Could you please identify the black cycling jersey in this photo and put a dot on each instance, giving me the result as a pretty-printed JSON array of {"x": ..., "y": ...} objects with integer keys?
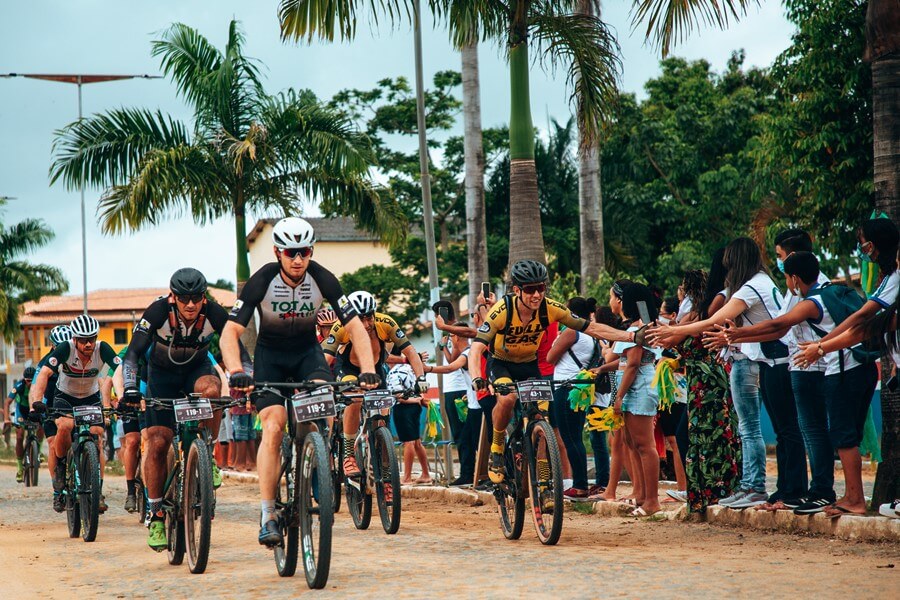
[
  {"x": 287, "y": 315},
  {"x": 164, "y": 341}
]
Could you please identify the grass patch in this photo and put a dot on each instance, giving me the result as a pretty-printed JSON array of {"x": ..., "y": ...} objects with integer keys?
[
  {"x": 585, "y": 508},
  {"x": 114, "y": 467}
]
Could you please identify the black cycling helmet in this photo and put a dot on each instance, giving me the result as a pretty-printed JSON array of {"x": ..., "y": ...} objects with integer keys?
[
  {"x": 28, "y": 375},
  {"x": 187, "y": 281},
  {"x": 528, "y": 271}
]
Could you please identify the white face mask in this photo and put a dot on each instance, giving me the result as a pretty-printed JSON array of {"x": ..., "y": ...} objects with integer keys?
[{"x": 664, "y": 320}]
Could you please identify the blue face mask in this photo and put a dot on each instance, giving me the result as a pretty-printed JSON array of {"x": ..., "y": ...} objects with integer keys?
[
  {"x": 862, "y": 255},
  {"x": 780, "y": 264}
]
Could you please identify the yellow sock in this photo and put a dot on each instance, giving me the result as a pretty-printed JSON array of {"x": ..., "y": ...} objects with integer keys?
[
  {"x": 498, "y": 441},
  {"x": 543, "y": 469}
]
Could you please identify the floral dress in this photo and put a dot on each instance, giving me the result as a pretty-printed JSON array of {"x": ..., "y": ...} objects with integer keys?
[{"x": 713, "y": 458}]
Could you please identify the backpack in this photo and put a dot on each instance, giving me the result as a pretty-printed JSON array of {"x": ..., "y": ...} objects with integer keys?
[
  {"x": 841, "y": 302},
  {"x": 602, "y": 384}
]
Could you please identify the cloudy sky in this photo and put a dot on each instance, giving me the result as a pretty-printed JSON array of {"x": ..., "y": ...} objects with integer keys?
[{"x": 111, "y": 36}]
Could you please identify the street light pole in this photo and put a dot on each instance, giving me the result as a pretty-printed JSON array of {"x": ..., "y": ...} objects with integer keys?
[{"x": 80, "y": 79}]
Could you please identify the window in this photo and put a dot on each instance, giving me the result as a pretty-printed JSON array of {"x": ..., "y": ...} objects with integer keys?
[{"x": 120, "y": 336}]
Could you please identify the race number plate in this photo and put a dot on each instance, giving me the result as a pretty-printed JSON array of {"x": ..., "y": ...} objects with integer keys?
[
  {"x": 90, "y": 414},
  {"x": 192, "y": 409},
  {"x": 314, "y": 404},
  {"x": 378, "y": 400},
  {"x": 535, "y": 390}
]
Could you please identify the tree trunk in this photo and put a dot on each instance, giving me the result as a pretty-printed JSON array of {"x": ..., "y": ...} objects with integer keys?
[
  {"x": 243, "y": 270},
  {"x": 526, "y": 241},
  {"x": 886, "y": 126},
  {"x": 476, "y": 229},
  {"x": 590, "y": 198}
]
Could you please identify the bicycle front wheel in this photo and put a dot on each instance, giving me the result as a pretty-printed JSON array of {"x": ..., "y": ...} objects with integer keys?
[
  {"x": 387, "y": 480},
  {"x": 337, "y": 467},
  {"x": 89, "y": 491},
  {"x": 198, "y": 505},
  {"x": 359, "y": 501},
  {"x": 316, "y": 509},
  {"x": 73, "y": 512},
  {"x": 545, "y": 482},
  {"x": 31, "y": 462}
]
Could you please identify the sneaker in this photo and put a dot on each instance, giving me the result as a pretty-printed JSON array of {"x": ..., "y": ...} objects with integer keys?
[
  {"x": 156, "y": 539},
  {"x": 794, "y": 502},
  {"x": 131, "y": 503},
  {"x": 484, "y": 485},
  {"x": 103, "y": 506},
  {"x": 547, "y": 504},
  {"x": 270, "y": 534},
  {"x": 811, "y": 506},
  {"x": 890, "y": 509},
  {"x": 678, "y": 495},
  {"x": 20, "y": 472},
  {"x": 496, "y": 471},
  {"x": 575, "y": 494},
  {"x": 750, "y": 500},
  {"x": 461, "y": 482},
  {"x": 738, "y": 495},
  {"x": 351, "y": 469},
  {"x": 59, "y": 504},
  {"x": 216, "y": 475}
]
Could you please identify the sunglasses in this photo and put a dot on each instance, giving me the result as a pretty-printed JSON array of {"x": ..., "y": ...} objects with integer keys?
[
  {"x": 293, "y": 253},
  {"x": 188, "y": 298},
  {"x": 86, "y": 340},
  {"x": 531, "y": 289}
]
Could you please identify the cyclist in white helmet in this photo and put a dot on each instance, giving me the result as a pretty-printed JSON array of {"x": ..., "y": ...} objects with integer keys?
[
  {"x": 286, "y": 294},
  {"x": 78, "y": 364}
]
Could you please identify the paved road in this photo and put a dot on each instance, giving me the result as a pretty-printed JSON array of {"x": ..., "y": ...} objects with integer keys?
[{"x": 440, "y": 549}]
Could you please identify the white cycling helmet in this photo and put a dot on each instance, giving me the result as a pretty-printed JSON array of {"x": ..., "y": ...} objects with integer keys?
[
  {"x": 85, "y": 326},
  {"x": 293, "y": 232},
  {"x": 363, "y": 302},
  {"x": 60, "y": 334},
  {"x": 401, "y": 378}
]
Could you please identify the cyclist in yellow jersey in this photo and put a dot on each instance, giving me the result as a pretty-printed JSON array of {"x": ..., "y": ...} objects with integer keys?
[
  {"x": 382, "y": 330},
  {"x": 511, "y": 334}
]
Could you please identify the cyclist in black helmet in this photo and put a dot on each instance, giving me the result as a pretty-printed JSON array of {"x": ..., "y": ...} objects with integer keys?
[
  {"x": 17, "y": 409},
  {"x": 173, "y": 336},
  {"x": 511, "y": 334}
]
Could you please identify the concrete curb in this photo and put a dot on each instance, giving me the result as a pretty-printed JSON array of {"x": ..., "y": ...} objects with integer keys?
[{"x": 848, "y": 527}]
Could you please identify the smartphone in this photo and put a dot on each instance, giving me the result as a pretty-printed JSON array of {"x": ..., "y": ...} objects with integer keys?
[
  {"x": 445, "y": 313},
  {"x": 643, "y": 312},
  {"x": 485, "y": 289}
]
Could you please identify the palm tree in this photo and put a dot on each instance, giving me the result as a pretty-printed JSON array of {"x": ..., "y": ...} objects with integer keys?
[
  {"x": 476, "y": 227},
  {"x": 248, "y": 151},
  {"x": 21, "y": 281},
  {"x": 582, "y": 43}
]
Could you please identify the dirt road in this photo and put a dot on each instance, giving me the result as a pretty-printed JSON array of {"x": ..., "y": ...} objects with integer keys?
[{"x": 440, "y": 550}]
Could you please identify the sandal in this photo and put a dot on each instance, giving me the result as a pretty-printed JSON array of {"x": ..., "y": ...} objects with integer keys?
[
  {"x": 834, "y": 511},
  {"x": 424, "y": 481},
  {"x": 628, "y": 501}
]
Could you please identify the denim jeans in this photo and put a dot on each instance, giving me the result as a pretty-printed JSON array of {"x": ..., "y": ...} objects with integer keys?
[
  {"x": 744, "y": 380},
  {"x": 601, "y": 457},
  {"x": 571, "y": 425},
  {"x": 778, "y": 398},
  {"x": 809, "y": 392}
]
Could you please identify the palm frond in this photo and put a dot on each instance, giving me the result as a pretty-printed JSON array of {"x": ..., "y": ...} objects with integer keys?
[
  {"x": 472, "y": 20},
  {"x": 590, "y": 52},
  {"x": 327, "y": 18},
  {"x": 671, "y": 21},
  {"x": 22, "y": 238},
  {"x": 106, "y": 149},
  {"x": 189, "y": 59}
]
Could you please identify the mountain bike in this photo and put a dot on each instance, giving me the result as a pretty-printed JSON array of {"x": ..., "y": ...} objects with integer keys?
[
  {"x": 31, "y": 459},
  {"x": 188, "y": 496},
  {"x": 335, "y": 437},
  {"x": 304, "y": 496},
  {"x": 379, "y": 471},
  {"x": 81, "y": 492},
  {"x": 532, "y": 463}
]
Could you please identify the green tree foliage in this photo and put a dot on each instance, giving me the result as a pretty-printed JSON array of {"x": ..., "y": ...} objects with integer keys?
[
  {"x": 398, "y": 294},
  {"x": 222, "y": 284},
  {"x": 814, "y": 155},
  {"x": 20, "y": 280}
]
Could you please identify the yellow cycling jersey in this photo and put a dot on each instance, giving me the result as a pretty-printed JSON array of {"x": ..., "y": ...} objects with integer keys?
[
  {"x": 386, "y": 329},
  {"x": 515, "y": 341}
]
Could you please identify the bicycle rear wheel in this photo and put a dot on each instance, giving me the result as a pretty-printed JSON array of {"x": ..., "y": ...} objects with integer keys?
[
  {"x": 316, "y": 510},
  {"x": 387, "y": 480},
  {"x": 511, "y": 493},
  {"x": 286, "y": 503},
  {"x": 89, "y": 490},
  {"x": 545, "y": 482},
  {"x": 73, "y": 512},
  {"x": 31, "y": 463},
  {"x": 198, "y": 505},
  {"x": 359, "y": 501}
]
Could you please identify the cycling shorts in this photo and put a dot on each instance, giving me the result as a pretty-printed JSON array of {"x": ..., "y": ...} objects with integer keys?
[
  {"x": 171, "y": 383},
  {"x": 278, "y": 366},
  {"x": 502, "y": 371}
]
